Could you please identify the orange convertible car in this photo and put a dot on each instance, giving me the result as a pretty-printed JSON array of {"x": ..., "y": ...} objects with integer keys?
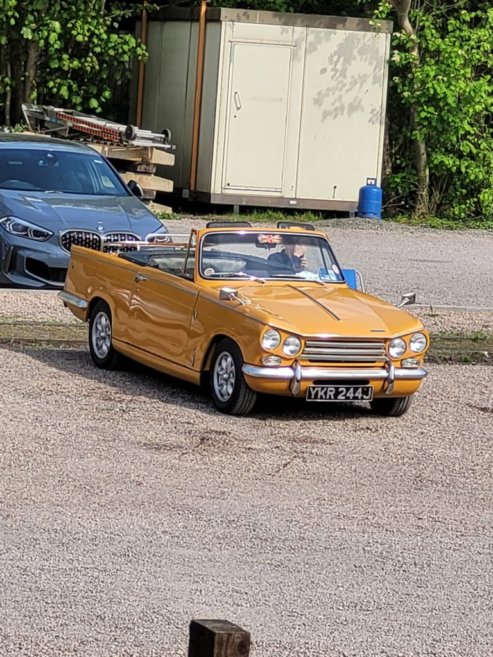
[{"x": 249, "y": 310}]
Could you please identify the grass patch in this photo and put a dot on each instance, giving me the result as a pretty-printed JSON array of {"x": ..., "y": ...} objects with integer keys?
[
  {"x": 441, "y": 223},
  {"x": 446, "y": 347},
  {"x": 42, "y": 332},
  {"x": 271, "y": 216}
]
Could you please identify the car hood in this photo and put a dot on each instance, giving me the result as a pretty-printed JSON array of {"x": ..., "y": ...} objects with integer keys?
[
  {"x": 329, "y": 310},
  {"x": 56, "y": 211}
]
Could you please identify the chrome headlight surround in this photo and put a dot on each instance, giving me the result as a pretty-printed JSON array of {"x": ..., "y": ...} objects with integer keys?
[
  {"x": 397, "y": 347},
  {"x": 418, "y": 342},
  {"x": 270, "y": 340},
  {"x": 291, "y": 345},
  {"x": 22, "y": 228}
]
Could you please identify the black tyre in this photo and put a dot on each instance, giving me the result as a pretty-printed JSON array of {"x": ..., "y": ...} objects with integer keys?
[
  {"x": 100, "y": 337},
  {"x": 229, "y": 390},
  {"x": 392, "y": 406}
]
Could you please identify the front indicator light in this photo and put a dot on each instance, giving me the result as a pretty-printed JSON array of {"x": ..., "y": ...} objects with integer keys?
[
  {"x": 271, "y": 340},
  {"x": 418, "y": 342},
  {"x": 411, "y": 362},
  {"x": 271, "y": 360},
  {"x": 291, "y": 345},
  {"x": 397, "y": 347}
]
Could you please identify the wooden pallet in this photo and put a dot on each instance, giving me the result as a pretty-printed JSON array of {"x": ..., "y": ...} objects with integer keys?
[{"x": 140, "y": 165}]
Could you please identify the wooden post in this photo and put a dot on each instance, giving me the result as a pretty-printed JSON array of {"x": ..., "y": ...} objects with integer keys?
[{"x": 217, "y": 638}]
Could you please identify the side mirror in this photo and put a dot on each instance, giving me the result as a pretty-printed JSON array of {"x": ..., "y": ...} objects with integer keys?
[
  {"x": 135, "y": 188},
  {"x": 407, "y": 299},
  {"x": 228, "y": 293}
]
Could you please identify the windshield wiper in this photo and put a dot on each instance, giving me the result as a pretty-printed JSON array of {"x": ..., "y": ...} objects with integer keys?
[{"x": 236, "y": 274}]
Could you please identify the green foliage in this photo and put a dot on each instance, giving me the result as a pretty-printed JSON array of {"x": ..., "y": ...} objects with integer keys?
[
  {"x": 68, "y": 52},
  {"x": 450, "y": 86}
]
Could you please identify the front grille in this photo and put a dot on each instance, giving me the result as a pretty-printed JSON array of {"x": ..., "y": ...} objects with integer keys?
[
  {"x": 111, "y": 238},
  {"x": 344, "y": 351},
  {"x": 98, "y": 242},
  {"x": 81, "y": 238}
]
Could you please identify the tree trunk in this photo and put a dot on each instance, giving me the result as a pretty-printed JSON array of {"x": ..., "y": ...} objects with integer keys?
[
  {"x": 31, "y": 71},
  {"x": 422, "y": 206}
]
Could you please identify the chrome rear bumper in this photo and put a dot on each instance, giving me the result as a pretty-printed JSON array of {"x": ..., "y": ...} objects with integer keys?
[
  {"x": 297, "y": 373},
  {"x": 72, "y": 300}
]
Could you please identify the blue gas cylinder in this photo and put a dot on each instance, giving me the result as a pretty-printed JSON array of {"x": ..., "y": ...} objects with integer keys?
[{"x": 370, "y": 200}]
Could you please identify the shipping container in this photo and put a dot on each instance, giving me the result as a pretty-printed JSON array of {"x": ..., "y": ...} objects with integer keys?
[{"x": 292, "y": 111}]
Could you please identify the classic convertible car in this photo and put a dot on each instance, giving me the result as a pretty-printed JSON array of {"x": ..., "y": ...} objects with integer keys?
[{"x": 248, "y": 311}]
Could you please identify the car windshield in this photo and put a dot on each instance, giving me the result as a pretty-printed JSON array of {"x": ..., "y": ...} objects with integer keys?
[
  {"x": 268, "y": 255},
  {"x": 68, "y": 172}
]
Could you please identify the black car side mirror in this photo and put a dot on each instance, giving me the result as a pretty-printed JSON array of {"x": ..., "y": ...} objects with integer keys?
[{"x": 135, "y": 188}]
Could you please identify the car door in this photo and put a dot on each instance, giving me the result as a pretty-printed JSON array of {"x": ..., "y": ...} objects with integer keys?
[{"x": 160, "y": 314}]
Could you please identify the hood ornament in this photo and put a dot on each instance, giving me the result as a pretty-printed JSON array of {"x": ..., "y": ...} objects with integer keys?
[{"x": 100, "y": 227}]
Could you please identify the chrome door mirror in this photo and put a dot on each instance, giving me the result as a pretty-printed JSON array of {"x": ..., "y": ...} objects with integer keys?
[
  {"x": 228, "y": 293},
  {"x": 407, "y": 299}
]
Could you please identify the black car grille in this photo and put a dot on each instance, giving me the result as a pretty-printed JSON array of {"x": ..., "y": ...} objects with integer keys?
[
  {"x": 111, "y": 238},
  {"x": 96, "y": 241},
  {"x": 81, "y": 238}
]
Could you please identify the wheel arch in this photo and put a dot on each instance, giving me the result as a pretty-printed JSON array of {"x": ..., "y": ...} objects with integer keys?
[
  {"x": 209, "y": 352},
  {"x": 92, "y": 303}
]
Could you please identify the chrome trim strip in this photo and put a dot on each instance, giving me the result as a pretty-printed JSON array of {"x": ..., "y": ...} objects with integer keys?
[
  {"x": 315, "y": 301},
  {"x": 334, "y": 374},
  {"x": 72, "y": 299}
]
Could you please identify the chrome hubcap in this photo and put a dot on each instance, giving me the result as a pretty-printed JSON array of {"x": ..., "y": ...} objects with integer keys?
[
  {"x": 101, "y": 335},
  {"x": 224, "y": 376}
]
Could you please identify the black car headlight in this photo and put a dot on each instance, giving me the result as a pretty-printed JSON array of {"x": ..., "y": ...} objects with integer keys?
[{"x": 23, "y": 228}]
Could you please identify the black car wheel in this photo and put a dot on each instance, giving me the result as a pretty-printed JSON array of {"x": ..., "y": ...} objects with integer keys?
[
  {"x": 391, "y": 407},
  {"x": 230, "y": 392},
  {"x": 100, "y": 337}
]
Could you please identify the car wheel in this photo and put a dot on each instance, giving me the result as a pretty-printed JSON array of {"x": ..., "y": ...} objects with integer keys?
[
  {"x": 229, "y": 390},
  {"x": 391, "y": 407},
  {"x": 100, "y": 337}
]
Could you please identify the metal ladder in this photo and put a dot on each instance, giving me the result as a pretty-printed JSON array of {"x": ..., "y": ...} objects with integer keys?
[{"x": 64, "y": 122}]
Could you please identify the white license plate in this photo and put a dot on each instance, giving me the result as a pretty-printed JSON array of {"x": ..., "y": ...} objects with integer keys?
[{"x": 339, "y": 393}]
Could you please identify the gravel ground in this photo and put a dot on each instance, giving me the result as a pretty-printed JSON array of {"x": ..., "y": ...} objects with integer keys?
[{"x": 128, "y": 506}]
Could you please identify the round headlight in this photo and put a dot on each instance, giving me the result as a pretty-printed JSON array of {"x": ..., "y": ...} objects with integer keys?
[
  {"x": 418, "y": 342},
  {"x": 291, "y": 345},
  {"x": 397, "y": 347},
  {"x": 271, "y": 339}
]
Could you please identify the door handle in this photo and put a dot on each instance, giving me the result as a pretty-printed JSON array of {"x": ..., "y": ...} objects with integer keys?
[
  {"x": 138, "y": 278},
  {"x": 237, "y": 100}
]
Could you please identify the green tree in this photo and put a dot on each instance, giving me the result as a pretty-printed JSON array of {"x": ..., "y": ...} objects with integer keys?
[
  {"x": 441, "y": 107},
  {"x": 67, "y": 52}
]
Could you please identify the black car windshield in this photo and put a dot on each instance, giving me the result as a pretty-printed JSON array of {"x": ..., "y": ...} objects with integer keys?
[
  {"x": 68, "y": 172},
  {"x": 268, "y": 255}
]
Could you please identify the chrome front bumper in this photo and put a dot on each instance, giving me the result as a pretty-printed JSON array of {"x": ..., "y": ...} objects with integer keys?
[{"x": 296, "y": 374}]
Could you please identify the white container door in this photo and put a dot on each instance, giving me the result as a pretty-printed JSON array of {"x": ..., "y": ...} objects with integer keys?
[{"x": 258, "y": 99}]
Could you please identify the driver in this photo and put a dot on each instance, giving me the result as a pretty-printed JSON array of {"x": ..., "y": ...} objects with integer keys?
[{"x": 291, "y": 257}]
